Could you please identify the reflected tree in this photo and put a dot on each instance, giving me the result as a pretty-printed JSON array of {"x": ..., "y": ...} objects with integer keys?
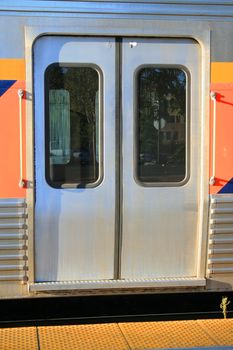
[
  {"x": 161, "y": 121},
  {"x": 82, "y": 85}
]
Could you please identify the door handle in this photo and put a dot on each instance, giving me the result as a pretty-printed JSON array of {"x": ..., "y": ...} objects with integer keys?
[
  {"x": 21, "y": 181},
  {"x": 213, "y": 96}
]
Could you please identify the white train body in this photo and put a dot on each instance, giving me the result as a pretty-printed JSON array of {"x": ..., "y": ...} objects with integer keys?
[{"x": 116, "y": 146}]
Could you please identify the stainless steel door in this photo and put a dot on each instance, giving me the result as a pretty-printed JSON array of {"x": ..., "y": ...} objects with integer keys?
[
  {"x": 160, "y": 209},
  {"x": 135, "y": 214},
  {"x": 74, "y": 221}
]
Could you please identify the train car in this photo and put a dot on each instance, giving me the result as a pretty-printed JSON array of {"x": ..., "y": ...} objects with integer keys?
[{"x": 116, "y": 149}]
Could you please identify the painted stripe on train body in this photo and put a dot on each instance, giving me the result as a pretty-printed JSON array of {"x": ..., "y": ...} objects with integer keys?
[
  {"x": 12, "y": 78},
  {"x": 12, "y": 69},
  {"x": 222, "y": 72},
  {"x": 222, "y": 85},
  {"x": 5, "y": 85},
  {"x": 228, "y": 188}
]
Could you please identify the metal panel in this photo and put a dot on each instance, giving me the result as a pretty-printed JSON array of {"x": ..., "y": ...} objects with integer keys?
[
  {"x": 191, "y": 8},
  {"x": 13, "y": 240},
  {"x": 189, "y": 2},
  {"x": 75, "y": 228},
  {"x": 220, "y": 248},
  {"x": 73, "y": 233},
  {"x": 160, "y": 224},
  {"x": 118, "y": 284}
]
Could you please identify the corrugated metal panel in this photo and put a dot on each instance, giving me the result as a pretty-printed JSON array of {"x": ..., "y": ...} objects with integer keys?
[
  {"x": 13, "y": 240},
  {"x": 220, "y": 252},
  {"x": 162, "y": 7}
]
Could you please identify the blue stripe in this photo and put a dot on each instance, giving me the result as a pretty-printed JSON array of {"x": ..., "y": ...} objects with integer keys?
[
  {"x": 5, "y": 85},
  {"x": 228, "y": 188}
]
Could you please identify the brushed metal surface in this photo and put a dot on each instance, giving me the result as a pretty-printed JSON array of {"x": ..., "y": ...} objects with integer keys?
[
  {"x": 116, "y": 284},
  {"x": 160, "y": 224},
  {"x": 190, "y": 8},
  {"x": 74, "y": 228}
]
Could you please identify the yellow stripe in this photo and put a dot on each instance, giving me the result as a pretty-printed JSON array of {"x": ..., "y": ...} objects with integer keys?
[
  {"x": 12, "y": 69},
  {"x": 222, "y": 72}
]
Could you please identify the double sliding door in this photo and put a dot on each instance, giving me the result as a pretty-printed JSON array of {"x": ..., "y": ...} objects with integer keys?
[{"x": 117, "y": 154}]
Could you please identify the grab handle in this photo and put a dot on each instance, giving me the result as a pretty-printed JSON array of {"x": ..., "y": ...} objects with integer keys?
[
  {"x": 213, "y": 96},
  {"x": 21, "y": 181}
]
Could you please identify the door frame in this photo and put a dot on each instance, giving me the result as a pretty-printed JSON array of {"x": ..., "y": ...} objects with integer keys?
[{"x": 198, "y": 31}]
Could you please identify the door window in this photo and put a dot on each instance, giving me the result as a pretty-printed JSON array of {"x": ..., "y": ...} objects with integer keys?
[
  {"x": 72, "y": 126},
  {"x": 161, "y": 125}
]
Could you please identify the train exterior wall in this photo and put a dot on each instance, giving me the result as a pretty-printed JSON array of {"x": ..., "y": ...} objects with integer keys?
[{"x": 210, "y": 23}]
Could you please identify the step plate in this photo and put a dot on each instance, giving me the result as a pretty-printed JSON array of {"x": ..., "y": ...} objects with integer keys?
[{"x": 118, "y": 284}]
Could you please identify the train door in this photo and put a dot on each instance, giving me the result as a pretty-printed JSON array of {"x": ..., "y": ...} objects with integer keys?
[
  {"x": 74, "y": 158},
  {"x": 117, "y": 151},
  {"x": 161, "y": 158}
]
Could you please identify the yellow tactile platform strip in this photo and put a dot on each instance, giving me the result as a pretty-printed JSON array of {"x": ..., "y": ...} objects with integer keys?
[
  {"x": 219, "y": 330},
  {"x": 85, "y": 337},
  {"x": 176, "y": 334},
  {"x": 24, "y": 338},
  {"x": 121, "y": 336}
]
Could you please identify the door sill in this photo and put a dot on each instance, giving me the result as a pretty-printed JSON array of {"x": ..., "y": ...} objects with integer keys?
[{"x": 118, "y": 284}]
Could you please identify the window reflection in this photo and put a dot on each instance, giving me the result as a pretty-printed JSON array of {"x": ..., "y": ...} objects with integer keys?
[
  {"x": 72, "y": 125},
  {"x": 161, "y": 139}
]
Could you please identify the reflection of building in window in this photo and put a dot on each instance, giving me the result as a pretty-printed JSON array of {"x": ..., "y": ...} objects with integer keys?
[
  {"x": 175, "y": 136},
  {"x": 59, "y": 116},
  {"x": 168, "y": 134},
  {"x": 174, "y": 129}
]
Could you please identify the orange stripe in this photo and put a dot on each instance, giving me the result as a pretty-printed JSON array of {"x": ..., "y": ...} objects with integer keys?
[
  {"x": 222, "y": 72},
  {"x": 12, "y": 69},
  {"x": 9, "y": 143}
]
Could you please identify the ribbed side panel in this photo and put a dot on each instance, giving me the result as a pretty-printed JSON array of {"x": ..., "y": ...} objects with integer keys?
[
  {"x": 220, "y": 250},
  {"x": 13, "y": 240}
]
